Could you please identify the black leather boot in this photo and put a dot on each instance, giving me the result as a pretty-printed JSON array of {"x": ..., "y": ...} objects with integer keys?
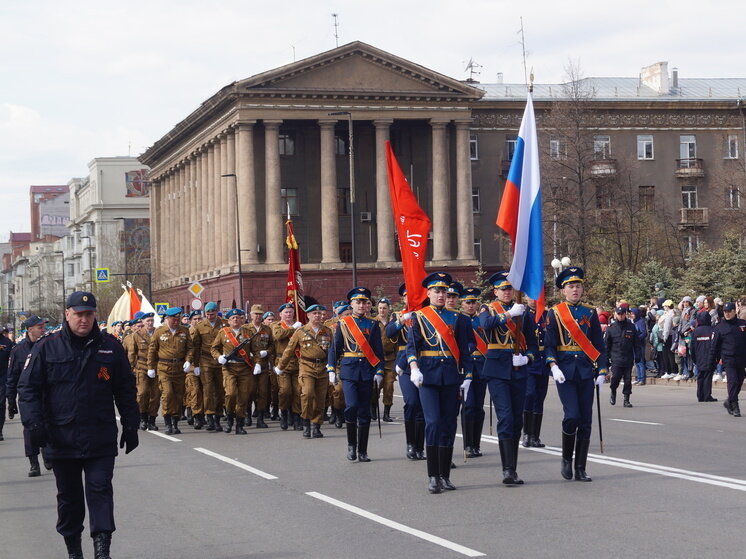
[
  {"x": 387, "y": 414},
  {"x": 229, "y": 423},
  {"x": 306, "y": 428},
  {"x": 476, "y": 438},
  {"x": 151, "y": 423},
  {"x": 333, "y": 416},
  {"x": 409, "y": 434},
  {"x": 210, "y": 422},
  {"x": 612, "y": 396},
  {"x": 34, "y": 470},
  {"x": 516, "y": 444},
  {"x": 507, "y": 458},
  {"x": 736, "y": 409},
  {"x": 199, "y": 421},
  {"x": 260, "y": 424},
  {"x": 249, "y": 416},
  {"x": 239, "y": 426},
  {"x": 175, "y": 423},
  {"x": 74, "y": 548},
  {"x": 626, "y": 401},
  {"x": 189, "y": 416},
  {"x": 351, "y": 441},
  {"x": 284, "y": 419},
  {"x": 362, "y": 442},
  {"x": 727, "y": 406},
  {"x": 169, "y": 425},
  {"x": 102, "y": 543},
  {"x": 528, "y": 431},
  {"x": 298, "y": 423},
  {"x": 445, "y": 456},
  {"x": 419, "y": 439},
  {"x": 433, "y": 470},
  {"x": 218, "y": 426},
  {"x": 143, "y": 422},
  {"x": 581, "y": 457},
  {"x": 374, "y": 411},
  {"x": 568, "y": 444},
  {"x": 340, "y": 418},
  {"x": 537, "y": 431},
  {"x": 317, "y": 434}
]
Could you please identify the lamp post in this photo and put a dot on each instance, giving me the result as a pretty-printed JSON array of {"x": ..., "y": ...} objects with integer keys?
[
  {"x": 238, "y": 236},
  {"x": 90, "y": 259},
  {"x": 351, "y": 153},
  {"x": 61, "y": 253}
]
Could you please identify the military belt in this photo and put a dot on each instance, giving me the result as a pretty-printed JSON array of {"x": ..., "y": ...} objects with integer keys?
[
  {"x": 315, "y": 361},
  {"x": 435, "y": 354},
  {"x": 140, "y": 358},
  {"x": 170, "y": 360},
  {"x": 353, "y": 354},
  {"x": 477, "y": 353},
  {"x": 569, "y": 348},
  {"x": 499, "y": 346},
  {"x": 401, "y": 348}
]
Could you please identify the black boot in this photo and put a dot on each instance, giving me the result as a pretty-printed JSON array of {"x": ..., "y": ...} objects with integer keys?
[
  {"x": 362, "y": 443},
  {"x": 199, "y": 421},
  {"x": 102, "y": 543},
  {"x": 528, "y": 429},
  {"x": 433, "y": 470},
  {"x": 476, "y": 438},
  {"x": 151, "y": 423},
  {"x": 568, "y": 444},
  {"x": 239, "y": 426},
  {"x": 298, "y": 423},
  {"x": 374, "y": 411},
  {"x": 409, "y": 434},
  {"x": 34, "y": 470},
  {"x": 626, "y": 401},
  {"x": 419, "y": 439},
  {"x": 612, "y": 396},
  {"x": 340, "y": 418},
  {"x": 727, "y": 406},
  {"x": 387, "y": 414},
  {"x": 74, "y": 548},
  {"x": 736, "y": 409},
  {"x": 169, "y": 425},
  {"x": 317, "y": 434},
  {"x": 284, "y": 420},
  {"x": 306, "y": 428},
  {"x": 351, "y": 441},
  {"x": 218, "y": 426},
  {"x": 333, "y": 416},
  {"x": 229, "y": 423},
  {"x": 260, "y": 424},
  {"x": 189, "y": 416},
  {"x": 210, "y": 422},
  {"x": 249, "y": 416},
  {"x": 143, "y": 422},
  {"x": 175, "y": 423},
  {"x": 445, "y": 456},
  {"x": 516, "y": 444},
  {"x": 581, "y": 457},
  {"x": 274, "y": 416},
  {"x": 507, "y": 458},
  {"x": 467, "y": 427},
  {"x": 537, "y": 431}
]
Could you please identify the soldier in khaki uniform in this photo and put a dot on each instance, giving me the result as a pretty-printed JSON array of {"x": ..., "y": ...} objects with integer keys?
[
  {"x": 335, "y": 396},
  {"x": 193, "y": 393},
  {"x": 312, "y": 343},
  {"x": 213, "y": 393},
  {"x": 170, "y": 355},
  {"x": 289, "y": 384},
  {"x": 389, "y": 375},
  {"x": 238, "y": 377},
  {"x": 262, "y": 352},
  {"x": 148, "y": 392}
]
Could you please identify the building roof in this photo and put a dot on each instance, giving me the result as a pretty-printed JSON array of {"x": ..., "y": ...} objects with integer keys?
[
  {"x": 51, "y": 188},
  {"x": 20, "y": 237}
]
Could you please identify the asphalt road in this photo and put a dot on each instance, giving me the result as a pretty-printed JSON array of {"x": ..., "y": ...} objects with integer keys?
[{"x": 671, "y": 483}]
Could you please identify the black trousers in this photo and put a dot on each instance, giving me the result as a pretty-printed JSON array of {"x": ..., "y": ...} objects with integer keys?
[
  {"x": 704, "y": 385},
  {"x": 616, "y": 376},
  {"x": 735, "y": 382},
  {"x": 98, "y": 494}
]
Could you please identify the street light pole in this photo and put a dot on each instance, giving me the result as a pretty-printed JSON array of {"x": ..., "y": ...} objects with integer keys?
[
  {"x": 351, "y": 153},
  {"x": 238, "y": 237},
  {"x": 61, "y": 253}
]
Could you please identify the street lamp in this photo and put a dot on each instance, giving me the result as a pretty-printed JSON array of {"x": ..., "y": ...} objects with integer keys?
[
  {"x": 560, "y": 265},
  {"x": 238, "y": 236},
  {"x": 351, "y": 153}
]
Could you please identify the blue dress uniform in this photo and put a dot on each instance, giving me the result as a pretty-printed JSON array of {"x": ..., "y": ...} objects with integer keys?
[
  {"x": 536, "y": 386},
  {"x": 577, "y": 375},
  {"x": 474, "y": 405},
  {"x": 506, "y": 381},
  {"x": 414, "y": 420},
  {"x": 441, "y": 378},
  {"x": 357, "y": 374}
]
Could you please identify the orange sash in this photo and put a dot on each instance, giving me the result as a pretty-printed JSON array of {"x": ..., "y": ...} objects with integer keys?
[
  {"x": 232, "y": 339},
  {"x": 360, "y": 339},
  {"x": 481, "y": 344},
  {"x": 285, "y": 326},
  {"x": 442, "y": 328},
  {"x": 567, "y": 320},
  {"x": 517, "y": 335}
]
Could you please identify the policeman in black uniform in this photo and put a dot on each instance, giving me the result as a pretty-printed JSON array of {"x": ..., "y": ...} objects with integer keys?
[
  {"x": 700, "y": 352},
  {"x": 5, "y": 348},
  {"x": 729, "y": 344},
  {"x": 620, "y": 349},
  {"x": 67, "y": 394}
]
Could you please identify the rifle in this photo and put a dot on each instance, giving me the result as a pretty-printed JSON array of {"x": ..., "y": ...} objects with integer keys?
[{"x": 238, "y": 348}]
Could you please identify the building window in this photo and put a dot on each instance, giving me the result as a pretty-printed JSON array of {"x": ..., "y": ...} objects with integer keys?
[
  {"x": 602, "y": 147},
  {"x": 732, "y": 197},
  {"x": 689, "y": 196},
  {"x": 690, "y": 244},
  {"x": 732, "y": 147},
  {"x": 687, "y": 147},
  {"x": 645, "y": 147},
  {"x": 475, "y": 202},
  {"x": 557, "y": 149},
  {"x": 478, "y": 249},
  {"x": 647, "y": 198},
  {"x": 604, "y": 198},
  {"x": 510, "y": 143},
  {"x": 345, "y": 252},
  {"x": 474, "y": 147},
  {"x": 343, "y": 201},
  {"x": 287, "y": 144},
  {"x": 341, "y": 141},
  {"x": 289, "y": 201},
  {"x": 71, "y": 269}
]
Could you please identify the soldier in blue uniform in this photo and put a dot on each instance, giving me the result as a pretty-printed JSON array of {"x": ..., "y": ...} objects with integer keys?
[
  {"x": 453, "y": 295},
  {"x": 474, "y": 404},
  {"x": 440, "y": 362},
  {"x": 537, "y": 383},
  {"x": 511, "y": 346},
  {"x": 577, "y": 362},
  {"x": 359, "y": 351}
]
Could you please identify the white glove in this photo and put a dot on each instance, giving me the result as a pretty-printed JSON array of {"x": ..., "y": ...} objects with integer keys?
[
  {"x": 557, "y": 373},
  {"x": 516, "y": 310},
  {"x": 187, "y": 364},
  {"x": 417, "y": 377},
  {"x": 405, "y": 316},
  {"x": 257, "y": 369},
  {"x": 222, "y": 360},
  {"x": 378, "y": 379},
  {"x": 278, "y": 371},
  {"x": 297, "y": 325},
  {"x": 519, "y": 360},
  {"x": 197, "y": 371},
  {"x": 398, "y": 369},
  {"x": 263, "y": 354},
  {"x": 332, "y": 377},
  {"x": 151, "y": 373},
  {"x": 465, "y": 387},
  {"x": 600, "y": 379}
]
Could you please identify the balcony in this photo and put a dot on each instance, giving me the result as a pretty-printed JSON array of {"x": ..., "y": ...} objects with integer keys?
[
  {"x": 689, "y": 168},
  {"x": 694, "y": 217},
  {"x": 603, "y": 168}
]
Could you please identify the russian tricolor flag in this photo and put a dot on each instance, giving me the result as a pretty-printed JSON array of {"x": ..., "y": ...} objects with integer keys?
[{"x": 520, "y": 213}]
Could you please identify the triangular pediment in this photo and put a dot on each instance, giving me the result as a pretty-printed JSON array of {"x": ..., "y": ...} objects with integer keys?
[{"x": 357, "y": 69}]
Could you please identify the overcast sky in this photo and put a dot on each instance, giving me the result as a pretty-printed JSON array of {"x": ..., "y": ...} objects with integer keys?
[{"x": 83, "y": 79}]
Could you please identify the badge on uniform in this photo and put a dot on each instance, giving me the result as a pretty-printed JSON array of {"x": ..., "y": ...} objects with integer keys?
[{"x": 103, "y": 374}]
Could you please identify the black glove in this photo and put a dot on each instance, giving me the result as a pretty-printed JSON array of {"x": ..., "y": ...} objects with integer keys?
[
  {"x": 38, "y": 436},
  {"x": 12, "y": 408},
  {"x": 130, "y": 439}
]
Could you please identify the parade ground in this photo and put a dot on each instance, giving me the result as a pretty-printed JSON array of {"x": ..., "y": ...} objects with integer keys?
[{"x": 668, "y": 484}]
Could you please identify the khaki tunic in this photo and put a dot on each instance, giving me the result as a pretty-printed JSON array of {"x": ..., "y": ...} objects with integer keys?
[
  {"x": 167, "y": 353},
  {"x": 288, "y": 383},
  {"x": 238, "y": 378},
  {"x": 261, "y": 340},
  {"x": 213, "y": 393},
  {"x": 148, "y": 391}
]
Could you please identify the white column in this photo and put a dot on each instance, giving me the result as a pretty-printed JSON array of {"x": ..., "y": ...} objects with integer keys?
[
  {"x": 384, "y": 213},
  {"x": 227, "y": 227},
  {"x": 229, "y": 198},
  {"x": 156, "y": 188},
  {"x": 464, "y": 214},
  {"x": 204, "y": 228},
  {"x": 217, "y": 193},
  {"x": 329, "y": 217},
  {"x": 246, "y": 178},
  {"x": 440, "y": 202},
  {"x": 193, "y": 217},
  {"x": 211, "y": 209},
  {"x": 273, "y": 196}
]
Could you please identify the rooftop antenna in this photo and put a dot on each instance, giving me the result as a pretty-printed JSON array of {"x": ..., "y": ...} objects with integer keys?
[
  {"x": 336, "y": 28},
  {"x": 293, "y": 47},
  {"x": 471, "y": 67},
  {"x": 523, "y": 47}
]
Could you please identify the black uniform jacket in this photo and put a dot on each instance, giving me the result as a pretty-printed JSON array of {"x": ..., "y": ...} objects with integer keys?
[{"x": 620, "y": 343}]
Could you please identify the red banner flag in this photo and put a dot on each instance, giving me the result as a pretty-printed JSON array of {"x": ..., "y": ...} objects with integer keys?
[
  {"x": 134, "y": 302},
  {"x": 295, "y": 281},
  {"x": 412, "y": 227}
]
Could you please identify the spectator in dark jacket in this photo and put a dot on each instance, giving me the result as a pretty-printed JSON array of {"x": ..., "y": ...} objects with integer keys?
[
  {"x": 641, "y": 336},
  {"x": 700, "y": 352},
  {"x": 729, "y": 345},
  {"x": 620, "y": 340}
]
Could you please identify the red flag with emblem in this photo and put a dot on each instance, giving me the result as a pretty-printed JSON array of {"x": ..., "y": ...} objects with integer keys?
[{"x": 295, "y": 281}]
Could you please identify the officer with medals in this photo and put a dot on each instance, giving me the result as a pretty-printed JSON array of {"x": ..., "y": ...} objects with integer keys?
[
  {"x": 537, "y": 382},
  {"x": 474, "y": 404},
  {"x": 414, "y": 420},
  {"x": 203, "y": 334},
  {"x": 511, "y": 346},
  {"x": 335, "y": 396},
  {"x": 193, "y": 393},
  {"x": 438, "y": 350},
  {"x": 287, "y": 380},
  {"x": 358, "y": 350},
  {"x": 576, "y": 355},
  {"x": 262, "y": 352}
]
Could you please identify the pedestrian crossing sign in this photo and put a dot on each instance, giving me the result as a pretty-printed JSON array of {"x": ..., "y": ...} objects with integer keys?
[
  {"x": 102, "y": 275},
  {"x": 161, "y": 308}
]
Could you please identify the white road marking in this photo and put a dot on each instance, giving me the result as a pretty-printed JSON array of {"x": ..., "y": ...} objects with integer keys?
[
  {"x": 632, "y": 421},
  {"x": 236, "y": 463},
  {"x": 397, "y": 526},
  {"x": 164, "y": 436}
]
